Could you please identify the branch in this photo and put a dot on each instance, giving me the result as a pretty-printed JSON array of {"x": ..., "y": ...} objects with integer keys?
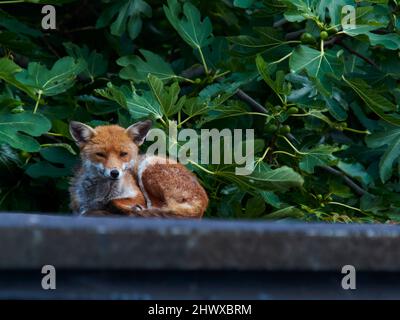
[
  {"x": 357, "y": 189},
  {"x": 193, "y": 72},
  {"x": 295, "y": 34},
  {"x": 332, "y": 41},
  {"x": 250, "y": 101},
  {"x": 366, "y": 59},
  {"x": 51, "y": 49},
  {"x": 240, "y": 94},
  {"x": 280, "y": 23},
  {"x": 80, "y": 29}
]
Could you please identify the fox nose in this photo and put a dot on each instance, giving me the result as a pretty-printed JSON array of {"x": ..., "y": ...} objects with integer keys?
[{"x": 114, "y": 173}]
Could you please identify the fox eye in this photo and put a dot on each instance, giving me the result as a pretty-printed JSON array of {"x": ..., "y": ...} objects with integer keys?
[
  {"x": 100, "y": 154},
  {"x": 123, "y": 154}
]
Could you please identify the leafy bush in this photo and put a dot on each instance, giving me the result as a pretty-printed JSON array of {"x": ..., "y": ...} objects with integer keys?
[{"x": 323, "y": 99}]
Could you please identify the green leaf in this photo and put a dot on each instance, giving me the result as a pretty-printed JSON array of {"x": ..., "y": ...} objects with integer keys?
[
  {"x": 279, "y": 179},
  {"x": 8, "y": 69},
  {"x": 267, "y": 40},
  {"x": 195, "y": 106},
  {"x": 137, "y": 69},
  {"x": 96, "y": 64},
  {"x": 271, "y": 198},
  {"x": 376, "y": 102},
  {"x": 356, "y": 171},
  {"x": 255, "y": 206},
  {"x": 318, "y": 156},
  {"x": 46, "y": 169},
  {"x": 221, "y": 112},
  {"x": 16, "y": 26},
  {"x": 141, "y": 106},
  {"x": 17, "y": 129},
  {"x": 300, "y": 10},
  {"x": 391, "y": 139},
  {"x": 332, "y": 9},
  {"x": 244, "y": 4},
  {"x": 316, "y": 63},
  {"x": 114, "y": 94},
  {"x": 332, "y": 97},
  {"x": 60, "y": 156},
  {"x": 193, "y": 31},
  {"x": 129, "y": 17},
  {"x": 55, "y": 81},
  {"x": 317, "y": 10},
  {"x": 279, "y": 86},
  {"x": 390, "y": 41},
  {"x": 168, "y": 98}
]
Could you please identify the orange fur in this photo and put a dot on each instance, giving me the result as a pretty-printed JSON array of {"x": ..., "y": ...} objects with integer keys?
[
  {"x": 170, "y": 186},
  {"x": 166, "y": 188},
  {"x": 103, "y": 150}
]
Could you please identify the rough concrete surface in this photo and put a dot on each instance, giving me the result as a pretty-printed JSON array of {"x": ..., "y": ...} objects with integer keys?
[{"x": 29, "y": 241}]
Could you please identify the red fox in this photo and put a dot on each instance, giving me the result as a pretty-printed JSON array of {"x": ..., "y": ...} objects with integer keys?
[{"x": 115, "y": 178}]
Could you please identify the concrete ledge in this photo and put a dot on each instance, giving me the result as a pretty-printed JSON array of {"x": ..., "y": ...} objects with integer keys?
[
  {"x": 30, "y": 241},
  {"x": 198, "y": 285}
]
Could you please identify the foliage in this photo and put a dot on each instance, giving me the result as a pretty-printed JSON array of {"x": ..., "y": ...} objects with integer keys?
[{"x": 323, "y": 98}]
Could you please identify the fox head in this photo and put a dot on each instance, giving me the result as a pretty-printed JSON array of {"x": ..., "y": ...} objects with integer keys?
[{"x": 111, "y": 150}]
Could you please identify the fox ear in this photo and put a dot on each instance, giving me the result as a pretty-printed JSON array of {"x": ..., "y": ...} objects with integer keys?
[
  {"x": 139, "y": 131},
  {"x": 81, "y": 132}
]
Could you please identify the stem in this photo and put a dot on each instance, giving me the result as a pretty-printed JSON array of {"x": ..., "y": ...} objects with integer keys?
[
  {"x": 185, "y": 79},
  {"x": 163, "y": 122},
  {"x": 293, "y": 147},
  {"x": 11, "y": 1},
  {"x": 37, "y": 101},
  {"x": 200, "y": 167},
  {"x": 203, "y": 61},
  {"x": 301, "y": 114},
  {"x": 218, "y": 75},
  {"x": 264, "y": 155},
  {"x": 9, "y": 191},
  {"x": 345, "y": 205},
  {"x": 344, "y": 129},
  {"x": 284, "y": 152},
  {"x": 282, "y": 59},
  {"x": 181, "y": 123},
  {"x": 190, "y": 117},
  {"x": 357, "y": 131},
  {"x": 247, "y": 113},
  {"x": 55, "y": 134}
]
